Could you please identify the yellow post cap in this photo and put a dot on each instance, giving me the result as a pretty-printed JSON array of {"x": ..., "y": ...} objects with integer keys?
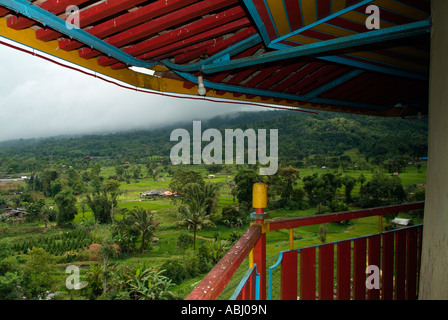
[{"x": 260, "y": 196}]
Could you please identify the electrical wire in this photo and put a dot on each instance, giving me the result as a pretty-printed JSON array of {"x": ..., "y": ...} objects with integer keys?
[{"x": 95, "y": 75}]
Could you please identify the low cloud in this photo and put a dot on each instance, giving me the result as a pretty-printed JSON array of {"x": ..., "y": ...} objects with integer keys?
[{"x": 40, "y": 99}]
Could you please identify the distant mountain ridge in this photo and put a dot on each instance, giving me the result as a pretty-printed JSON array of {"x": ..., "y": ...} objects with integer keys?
[{"x": 300, "y": 135}]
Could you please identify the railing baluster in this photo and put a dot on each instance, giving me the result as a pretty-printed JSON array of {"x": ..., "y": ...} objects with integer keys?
[
  {"x": 326, "y": 271},
  {"x": 411, "y": 275},
  {"x": 374, "y": 260},
  {"x": 253, "y": 243},
  {"x": 289, "y": 275},
  {"x": 359, "y": 268},
  {"x": 388, "y": 266},
  {"x": 344, "y": 250},
  {"x": 400, "y": 264},
  {"x": 308, "y": 273}
]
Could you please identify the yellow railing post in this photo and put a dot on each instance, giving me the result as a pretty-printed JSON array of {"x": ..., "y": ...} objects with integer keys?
[{"x": 260, "y": 202}]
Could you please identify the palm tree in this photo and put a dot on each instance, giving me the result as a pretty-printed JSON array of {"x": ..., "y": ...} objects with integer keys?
[
  {"x": 204, "y": 194},
  {"x": 143, "y": 221},
  {"x": 193, "y": 213}
]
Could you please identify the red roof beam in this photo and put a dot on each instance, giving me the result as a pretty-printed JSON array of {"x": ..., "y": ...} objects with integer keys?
[
  {"x": 302, "y": 73},
  {"x": 237, "y": 37},
  {"x": 92, "y": 15},
  {"x": 189, "y": 53},
  {"x": 128, "y": 20},
  {"x": 166, "y": 50},
  {"x": 160, "y": 24},
  {"x": 156, "y": 46},
  {"x": 323, "y": 80},
  {"x": 3, "y": 12},
  {"x": 53, "y": 6},
  {"x": 216, "y": 45},
  {"x": 278, "y": 76}
]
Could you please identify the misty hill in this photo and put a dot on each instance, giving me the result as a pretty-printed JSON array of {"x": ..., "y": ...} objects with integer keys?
[{"x": 300, "y": 136}]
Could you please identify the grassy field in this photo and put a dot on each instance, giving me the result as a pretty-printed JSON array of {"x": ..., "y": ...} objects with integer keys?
[{"x": 166, "y": 213}]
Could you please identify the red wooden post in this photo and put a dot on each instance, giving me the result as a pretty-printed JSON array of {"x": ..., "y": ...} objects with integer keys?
[
  {"x": 326, "y": 271},
  {"x": 343, "y": 270},
  {"x": 400, "y": 264},
  {"x": 289, "y": 276},
  {"x": 388, "y": 266},
  {"x": 359, "y": 268},
  {"x": 308, "y": 273},
  {"x": 374, "y": 259},
  {"x": 411, "y": 276}
]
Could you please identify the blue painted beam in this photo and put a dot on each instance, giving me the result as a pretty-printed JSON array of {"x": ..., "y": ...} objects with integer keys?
[
  {"x": 323, "y": 20},
  {"x": 50, "y": 20},
  {"x": 231, "y": 51},
  {"x": 392, "y": 33},
  {"x": 364, "y": 65},
  {"x": 273, "y": 94},
  {"x": 257, "y": 19}
]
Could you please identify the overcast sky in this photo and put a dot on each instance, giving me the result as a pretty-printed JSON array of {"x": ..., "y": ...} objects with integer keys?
[{"x": 39, "y": 99}]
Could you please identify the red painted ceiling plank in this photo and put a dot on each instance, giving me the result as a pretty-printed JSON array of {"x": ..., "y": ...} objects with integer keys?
[
  {"x": 261, "y": 76},
  {"x": 348, "y": 24},
  {"x": 266, "y": 18},
  {"x": 347, "y": 87},
  {"x": 278, "y": 76},
  {"x": 323, "y": 8},
  {"x": 240, "y": 76},
  {"x": 324, "y": 80},
  {"x": 189, "y": 53},
  {"x": 155, "y": 54},
  {"x": 53, "y": 6},
  {"x": 128, "y": 20},
  {"x": 164, "y": 43},
  {"x": 163, "y": 23},
  {"x": 308, "y": 75},
  {"x": 389, "y": 16},
  {"x": 237, "y": 37},
  {"x": 292, "y": 10},
  {"x": 351, "y": 87},
  {"x": 303, "y": 71},
  {"x": 92, "y": 15},
  {"x": 221, "y": 76},
  {"x": 3, "y": 12},
  {"x": 424, "y": 6},
  {"x": 311, "y": 81}
]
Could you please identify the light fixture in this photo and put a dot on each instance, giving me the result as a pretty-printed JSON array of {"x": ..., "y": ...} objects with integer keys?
[
  {"x": 201, "y": 88},
  {"x": 143, "y": 70}
]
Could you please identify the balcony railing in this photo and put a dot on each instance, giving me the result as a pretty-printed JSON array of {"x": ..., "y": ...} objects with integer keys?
[{"x": 338, "y": 270}]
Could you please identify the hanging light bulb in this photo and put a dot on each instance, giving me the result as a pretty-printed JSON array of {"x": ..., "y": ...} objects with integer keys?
[{"x": 201, "y": 88}]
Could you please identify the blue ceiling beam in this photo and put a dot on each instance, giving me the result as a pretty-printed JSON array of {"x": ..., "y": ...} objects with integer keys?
[
  {"x": 376, "y": 36},
  {"x": 258, "y": 21},
  {"x": 273, "y": 94},
  {"x": 221, "y": 56},
  {"x": 50, "y": 20},
  {"x": 323, "y": 20}
]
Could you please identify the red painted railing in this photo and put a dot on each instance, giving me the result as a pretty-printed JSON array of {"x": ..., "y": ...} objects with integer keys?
[{"x": 398, "y": 252}]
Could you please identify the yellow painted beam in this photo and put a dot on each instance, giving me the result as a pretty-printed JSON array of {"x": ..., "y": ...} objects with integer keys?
[
  {"x": 309, "y": 11},
  {"x": 278, "y": 13}
]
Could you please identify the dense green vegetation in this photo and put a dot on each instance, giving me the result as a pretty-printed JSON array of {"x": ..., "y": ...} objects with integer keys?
[
  {"x": 87, "y": 211},
  {"x": 302, "y": 138}
]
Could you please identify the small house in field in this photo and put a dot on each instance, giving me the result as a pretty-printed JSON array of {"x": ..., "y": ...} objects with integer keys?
[
  {"x": 154, "y": 193},
  {"x": 401, "y": 223}
]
